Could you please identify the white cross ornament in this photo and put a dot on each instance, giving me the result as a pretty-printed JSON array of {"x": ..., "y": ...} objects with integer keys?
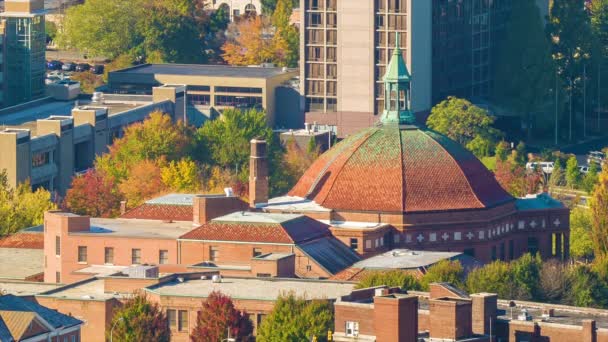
[
  {"x": 420, "y": 238},
  {"x": 445, "y": 236},
  {"x": 556, "y": 222},
  {"x": 533, "y": 224},
  {"x": 470, "y": 235}
]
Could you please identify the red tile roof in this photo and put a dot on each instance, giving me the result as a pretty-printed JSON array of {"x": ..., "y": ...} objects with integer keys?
[
  {"x": 171, "y": 212},
  {"x": 392, "y": 169},
  {"x": 290, "y": 232},
  {"x": 23, "y": 240}
]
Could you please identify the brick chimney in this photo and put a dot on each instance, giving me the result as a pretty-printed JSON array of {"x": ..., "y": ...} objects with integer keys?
[
  {"x": 258, "y": 173},
  {"x": 484, "y": 312},
  {"x": 396, "y": 318}
]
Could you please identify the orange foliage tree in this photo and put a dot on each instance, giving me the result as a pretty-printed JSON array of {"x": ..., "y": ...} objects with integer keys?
[
  {"x": 254, "y": 42},
  {"x": 144, "y": 181}
]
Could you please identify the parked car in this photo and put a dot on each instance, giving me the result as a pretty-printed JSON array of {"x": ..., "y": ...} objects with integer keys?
[
  {"x": 98, "y": 69},
  {"x": 69, "y": 66},
  {"x": 82, "y": 67},
  {"x": 583, "y": 169},
  {"x": 546, "y": 167},
  {"x": 54, "y": 65},
  {"x": 596, "y": 157}
]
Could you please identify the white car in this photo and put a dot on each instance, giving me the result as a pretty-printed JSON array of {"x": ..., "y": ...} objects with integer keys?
[
  {"x": 546, "y": 167},
  {"x": 583, "y": 169},
  {"x": 596, "y": 157}
]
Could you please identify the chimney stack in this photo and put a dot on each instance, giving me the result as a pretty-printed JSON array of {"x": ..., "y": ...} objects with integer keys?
[{"x": 258, "y": 173}]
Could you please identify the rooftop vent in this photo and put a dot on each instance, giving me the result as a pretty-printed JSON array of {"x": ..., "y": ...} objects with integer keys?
[
  {"x": 229, "y": 192},
  {"x": 216, "y": 278},
  {"x": 524, "y": 316}
]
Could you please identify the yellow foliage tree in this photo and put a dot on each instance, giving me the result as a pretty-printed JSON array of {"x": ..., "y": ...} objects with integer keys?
[
  {"x": 181, "y": 176},
  {"x": 599, "y": 215},
  {"x": 254, "y": 42}
]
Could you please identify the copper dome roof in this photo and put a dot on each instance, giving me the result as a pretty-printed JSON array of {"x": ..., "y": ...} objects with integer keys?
[{"x": 395, "y": 168}]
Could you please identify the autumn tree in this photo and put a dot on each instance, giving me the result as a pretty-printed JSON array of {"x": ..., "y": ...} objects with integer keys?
[
  {"x": 297, "y": 319},
  {"x": 93, "y": 194},
  {"x": 591, "y": 178},
  {"x": 218, "y": 316},
  {"x": 502, "y": 151},
  {"x": 557, "y": 176},
  {"x": 155, "y": 138},
  {"x": 394, "y": 278},
  {"x": 252, "y": 41},
  {"x": 598, "y": 205},
  {"x": 139, "y": 320},
  {"x": 554, "y": 281},
  {"x": 21, "y": 207},
  {"x": 287, "y": 36},
  {"x": 142, "y": 183},
  {"x": 465, "y": 123},
  {"x": 181, "y": 176}
]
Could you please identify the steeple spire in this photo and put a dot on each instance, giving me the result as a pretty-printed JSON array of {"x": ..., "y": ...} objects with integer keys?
[{"x": 397, "y": 89}]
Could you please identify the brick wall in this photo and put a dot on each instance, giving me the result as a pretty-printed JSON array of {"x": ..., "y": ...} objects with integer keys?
[{"x": 355, "y": 312}]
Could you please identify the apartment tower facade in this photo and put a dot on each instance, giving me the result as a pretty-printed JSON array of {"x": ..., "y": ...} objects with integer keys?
[
  {"x": 23, "y": 51},
  {"x": 449, "y": 47}
]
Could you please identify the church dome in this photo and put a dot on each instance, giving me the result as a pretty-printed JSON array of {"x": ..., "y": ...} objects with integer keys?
[{"x": 400, "y": 168}]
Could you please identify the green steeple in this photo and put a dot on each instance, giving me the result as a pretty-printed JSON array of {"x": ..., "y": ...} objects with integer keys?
[{"x": 397, "y": 90}]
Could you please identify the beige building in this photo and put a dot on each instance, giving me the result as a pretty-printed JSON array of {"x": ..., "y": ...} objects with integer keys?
[
  {"x": 210, "y": 88},
  {"x": 48, "y": 151},
  {"x": 237, "y": 8}
]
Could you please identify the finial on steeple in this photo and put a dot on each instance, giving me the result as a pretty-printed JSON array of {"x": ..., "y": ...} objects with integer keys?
[{"x": 397, "y": 42}]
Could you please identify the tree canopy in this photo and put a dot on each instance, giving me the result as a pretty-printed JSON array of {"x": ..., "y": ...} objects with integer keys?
[
  {"x": 140, "y": 320},
  {"x": 526, "y": 71},
  {"x": 295, "y": 319},
  {"x": 21, "y": 207},
  {"x": 218, "y": 316},
  {"x": 465, "y": 123},
  {"x": 599, "y": 215},
  {"x": 93, "y": 194},
  {"x": 395, "y": 278}
]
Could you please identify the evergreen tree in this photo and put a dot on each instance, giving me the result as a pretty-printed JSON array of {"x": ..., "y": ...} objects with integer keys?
[
  {"x": 525, "y": 71},
  {"x": 573, "y": 173},
  {"x": 521, "y": 156},
  {"x": 572, "y": 44},
  {"x": 502, "y": 151}
]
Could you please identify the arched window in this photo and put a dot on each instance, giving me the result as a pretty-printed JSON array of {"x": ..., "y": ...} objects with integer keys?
[{"x": 250, "y": 9}]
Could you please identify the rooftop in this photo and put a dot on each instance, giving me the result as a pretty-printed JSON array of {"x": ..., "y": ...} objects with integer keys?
[
  {"x": 538, "y": 202},
  {"x": 404, "y": 259},
  {"x": 293, "y": 203},
  {"x": 23, "y": 240},
  {"x": 136, "y": 228},
  {"x": 205, "y": 70},
  {"x": 26, "y": 288},
  {"x": 30, "y": 262},
  {"x": 257, "y": 217},
  {"x": 254, "y": 288},
  {"x": 567, "y": 315},
  {"x": 90, "y": 289},
  {"x": 173, "y": 199}
]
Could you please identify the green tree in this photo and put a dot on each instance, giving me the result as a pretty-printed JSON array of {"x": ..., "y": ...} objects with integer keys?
[
  {"x": 21, "y": 207},
  {"x": 591, "y": 178},
  {"x": 139, "y": 320},
  {"x": 520, "y": 157},
  {"x": 444, "y": 271},
  {"x": 102, "y": 27},
  {"x": 394, "y": 278},
  {"x": 573, "y": 173},
  {"x": 464, "y": 122},
  {"x": 495, "y": 277},
  {"x": 502, "y": 151},
  {"x": 50, "y": 29},
  {"x": 526, "y": 71},
  {"x": 598, "y": 205},
  {"x": 572, "y": 44},
  {"x": 181, "y": 176},
  {"x": 581, "y": 243},
  {"x": 295, "y": 319},
  {"x": 526, "y": 273},
  {"x": 269, "y": 6},
  {"x": 587, "y": 289},
  {"x": 557, "y": 176}
]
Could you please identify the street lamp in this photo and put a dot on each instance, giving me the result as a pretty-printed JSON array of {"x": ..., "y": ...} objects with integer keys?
[{"x": 120, "y": 319}]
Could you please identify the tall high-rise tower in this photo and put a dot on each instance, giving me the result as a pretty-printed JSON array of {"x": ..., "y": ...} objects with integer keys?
[{"x": 23, "y": 48}]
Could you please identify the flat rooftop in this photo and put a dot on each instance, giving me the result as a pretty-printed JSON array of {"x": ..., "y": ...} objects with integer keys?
[
  {"x": 567, "y": 315},
  {"x": 90, "y": 289},
  {"x": 404, "y": 259},
  {"x": 204, "y": 70},
  {"x": 254, "y": 288},
  {"x": 26, "y": 288},
  {"x": 538, "y": 202},
  {"x": 257, "y": 217},
  {"x": 136, "y": 228},
  {"x": 26, "y": 118},
  {"x": 20, "y": 263},
  {"x": 293, "y": 203}
]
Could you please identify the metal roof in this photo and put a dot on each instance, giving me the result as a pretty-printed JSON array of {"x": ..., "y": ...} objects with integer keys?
[
  {"x": 54, "y": 318},
  {"x": 330, "y": 254}
]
